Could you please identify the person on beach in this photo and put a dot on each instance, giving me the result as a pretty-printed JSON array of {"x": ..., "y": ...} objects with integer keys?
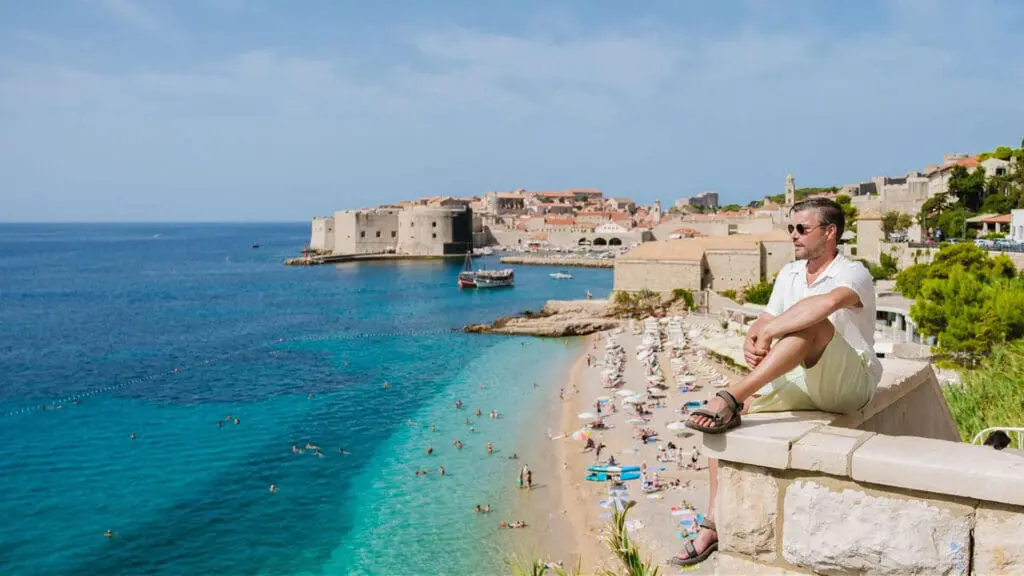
[
  {"x": 529, "y": 479},
  {"x": 814, "y": 344}
]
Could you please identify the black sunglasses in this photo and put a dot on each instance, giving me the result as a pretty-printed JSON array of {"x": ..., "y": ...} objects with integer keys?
[{"x": 801, "y": 229}]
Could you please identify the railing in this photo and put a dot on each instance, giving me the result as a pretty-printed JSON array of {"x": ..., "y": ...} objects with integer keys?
[
  {"x": 1001, "y": 248},
  {"x": 1019, "y": 433}
]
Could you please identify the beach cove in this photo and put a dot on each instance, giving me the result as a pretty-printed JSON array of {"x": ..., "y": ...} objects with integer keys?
[{"x": 141, "y": 340}]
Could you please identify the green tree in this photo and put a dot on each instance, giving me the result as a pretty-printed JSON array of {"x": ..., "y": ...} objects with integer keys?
[
  {"x": 894, "y": 222},
  {"x": 1003, "y": 152},
  {"x": 732, "y": 208},
  {"x": 968, "y": 188},
  {"x": 931, "y": 209},
  {"x": 953, "y": 222},
  {"x": 849, "y": 210},
  {"x": 910, "y": 279}
]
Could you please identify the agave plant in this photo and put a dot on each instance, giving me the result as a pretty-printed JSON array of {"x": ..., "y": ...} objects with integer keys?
[
  {"x": 534, "y": 567},
  {"x": 626, "y": 551}
]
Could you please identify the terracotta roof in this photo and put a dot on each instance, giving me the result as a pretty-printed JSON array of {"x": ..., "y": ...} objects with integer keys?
[
  {"x": 596, "y": 213},
  {"x": 584, "y": 190},
  {"x": 689, "y": 249},
  {"x": 970, "y": 162},
  {"x": 560, "y": 221},
  {"x": 1000, "y": 219},
  {"x": 566, "y": 194},
  {"x": 621, "y": 216},
  {"x": 776, "y": 235}
]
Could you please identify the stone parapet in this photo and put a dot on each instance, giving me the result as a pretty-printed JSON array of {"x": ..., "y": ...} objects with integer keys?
[{"x": 809, "y": 492}]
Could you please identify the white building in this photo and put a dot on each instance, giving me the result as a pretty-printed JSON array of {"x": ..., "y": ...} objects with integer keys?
[{"x": 1017, "y": 224}]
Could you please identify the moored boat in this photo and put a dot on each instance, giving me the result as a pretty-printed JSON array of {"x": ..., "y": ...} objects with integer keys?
[
  {"x": 469, "y": 278},
  {"x": 562, "y": 275}
]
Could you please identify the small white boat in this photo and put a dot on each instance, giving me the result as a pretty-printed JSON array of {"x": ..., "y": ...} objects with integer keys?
[{"x": 561, "y": 275}]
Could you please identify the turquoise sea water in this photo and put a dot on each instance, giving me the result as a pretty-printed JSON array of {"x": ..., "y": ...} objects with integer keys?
[{"x": 163, "y": 330}]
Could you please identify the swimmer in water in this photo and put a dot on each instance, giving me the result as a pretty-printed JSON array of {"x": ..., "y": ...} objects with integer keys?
[
  {"x": 430, "y": 450},
  {"x": 273, "y": 488},
  {"x": 132, "y": 436},
  {"x": 478, "y": 412},
  {"x": 440, "y": 469},
  {"x": 109, "y": 534},
  {"x": 490, "y": 448},
  {"x": 237, "y": 421},
  {"x": 343, "y": 452}
]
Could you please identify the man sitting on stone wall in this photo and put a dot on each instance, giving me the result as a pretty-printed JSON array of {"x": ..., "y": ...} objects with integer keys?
[{"x": 811, "y": 349}]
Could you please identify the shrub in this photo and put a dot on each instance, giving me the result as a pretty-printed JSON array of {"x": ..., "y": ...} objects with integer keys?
[
  {"x": 684, "y": 295},
  {"x": 991, "y": 395},
  {"x": 730, "y": 294},
  {"x": 758, "y": 293}
]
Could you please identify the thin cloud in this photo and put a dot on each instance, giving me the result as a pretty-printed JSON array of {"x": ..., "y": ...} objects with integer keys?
[{"x": 134, "y": 15}]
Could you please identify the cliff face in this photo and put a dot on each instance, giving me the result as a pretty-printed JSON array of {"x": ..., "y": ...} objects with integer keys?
[{"x": 558, "y": 318}]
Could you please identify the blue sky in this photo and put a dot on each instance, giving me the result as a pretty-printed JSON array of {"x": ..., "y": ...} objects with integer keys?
[{"x": 259, "y": 110}]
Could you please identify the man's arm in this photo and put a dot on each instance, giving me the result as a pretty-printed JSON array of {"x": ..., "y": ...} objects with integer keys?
[{"x": 808, "y": 312}]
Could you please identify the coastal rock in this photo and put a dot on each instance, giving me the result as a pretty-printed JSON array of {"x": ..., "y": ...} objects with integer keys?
[
  {"x": 846, "y": 530},
  {"x": 998, "y": 545},
  {"x": 556, "y": 319},
  {"x": 749, "y": 499}
]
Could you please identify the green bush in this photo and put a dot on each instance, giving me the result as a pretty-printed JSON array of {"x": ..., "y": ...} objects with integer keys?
[
  {"x": 730, "y": 294},
  {"x": 685, "y": 295},
  {"x": 758, "y": 293},
  {"x": 991, "y": 395}
]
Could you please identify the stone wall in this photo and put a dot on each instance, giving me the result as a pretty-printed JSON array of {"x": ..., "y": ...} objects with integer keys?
[
  {"x": 809, "y": 492},
  {"x": 321, "y": 236},
  {"x": 365, "y": 231},
  {"x": 734, "y": 269},
  {"x": 636, "y": 275},
  {"x": 777, "y": 254}
]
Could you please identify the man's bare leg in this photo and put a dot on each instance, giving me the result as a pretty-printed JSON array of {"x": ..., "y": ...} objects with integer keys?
[{"x": 805, "y": 347}]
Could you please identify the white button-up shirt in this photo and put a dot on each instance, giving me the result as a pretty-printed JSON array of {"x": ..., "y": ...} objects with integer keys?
[{"x": 855, "y": 325}]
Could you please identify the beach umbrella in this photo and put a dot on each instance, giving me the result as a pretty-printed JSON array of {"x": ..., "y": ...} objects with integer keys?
[
  {"x": 586, "y": 415},
  {"x": 581, "y": 434},
  {"x": 603, "y": 398},
  {"x": 625, "y": 392},
  {"x": 676, "y": 426},
  {"x": 634, "y": 399}
]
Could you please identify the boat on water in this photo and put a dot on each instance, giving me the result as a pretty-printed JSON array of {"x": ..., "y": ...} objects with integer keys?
[
  {"x": 255, "y": 244},
  {"x": 470, "y": 278},
  {"x": 561, "y": 275}
]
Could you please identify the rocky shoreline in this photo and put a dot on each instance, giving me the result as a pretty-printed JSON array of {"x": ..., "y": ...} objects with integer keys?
[{"x": 558, "y": 318}]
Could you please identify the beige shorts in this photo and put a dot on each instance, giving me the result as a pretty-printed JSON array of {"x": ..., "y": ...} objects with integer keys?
[{"x": 839, "y": 382}]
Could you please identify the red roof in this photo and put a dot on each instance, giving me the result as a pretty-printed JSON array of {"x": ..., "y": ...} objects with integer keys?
[
  {"x": 560, "y": 221},
  {"x": 621, "y": 216},
  {"x": 1000, "y": 219}
]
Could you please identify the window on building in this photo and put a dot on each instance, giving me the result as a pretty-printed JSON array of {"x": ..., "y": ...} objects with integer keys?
[
  {"x": 434, "y": 235},
  {"x": 378, "y": 233},
  {"x": 412, "y": 224},
  {"x": 362, "y": 234},
  {"x": 393, "y": 233},
  {"x": 433, "y": 224}
]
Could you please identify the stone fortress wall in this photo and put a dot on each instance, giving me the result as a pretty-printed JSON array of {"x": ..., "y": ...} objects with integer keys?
[{"x": 413, "y": 231}]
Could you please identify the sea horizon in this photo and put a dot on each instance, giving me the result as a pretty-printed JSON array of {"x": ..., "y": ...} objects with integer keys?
[{"x": 165, "y": 332}]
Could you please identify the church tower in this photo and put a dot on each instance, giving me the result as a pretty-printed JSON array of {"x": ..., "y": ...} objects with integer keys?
[{"x": 790, "y": 190}]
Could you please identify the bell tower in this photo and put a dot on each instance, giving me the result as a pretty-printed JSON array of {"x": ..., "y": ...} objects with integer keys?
[{"x": 790, "y": 190}]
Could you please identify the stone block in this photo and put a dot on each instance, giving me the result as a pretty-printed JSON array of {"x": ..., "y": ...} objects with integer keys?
[
  {"x": 942, "y": 467},
  {"x": 747, "y": 509},
  {"x": 843, "y": 529},
  {"x": 998, "y": 540},
  {"x": 729, "y": 565},
  {"x": 827, "y": 450},
  {"x": 764, "y": 439}
]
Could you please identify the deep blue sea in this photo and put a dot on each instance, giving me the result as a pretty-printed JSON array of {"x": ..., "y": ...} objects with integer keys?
[{"x": 165, "y": 330}]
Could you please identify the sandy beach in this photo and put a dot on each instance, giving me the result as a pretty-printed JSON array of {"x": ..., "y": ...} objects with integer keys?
[{"x": 656, "y": 518}]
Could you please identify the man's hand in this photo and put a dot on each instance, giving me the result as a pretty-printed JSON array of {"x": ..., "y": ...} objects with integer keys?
[{"x": 756, "y": 346}]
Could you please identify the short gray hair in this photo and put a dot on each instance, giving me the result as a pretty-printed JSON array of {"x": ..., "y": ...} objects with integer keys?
[{"x": 829, "y": 212}]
